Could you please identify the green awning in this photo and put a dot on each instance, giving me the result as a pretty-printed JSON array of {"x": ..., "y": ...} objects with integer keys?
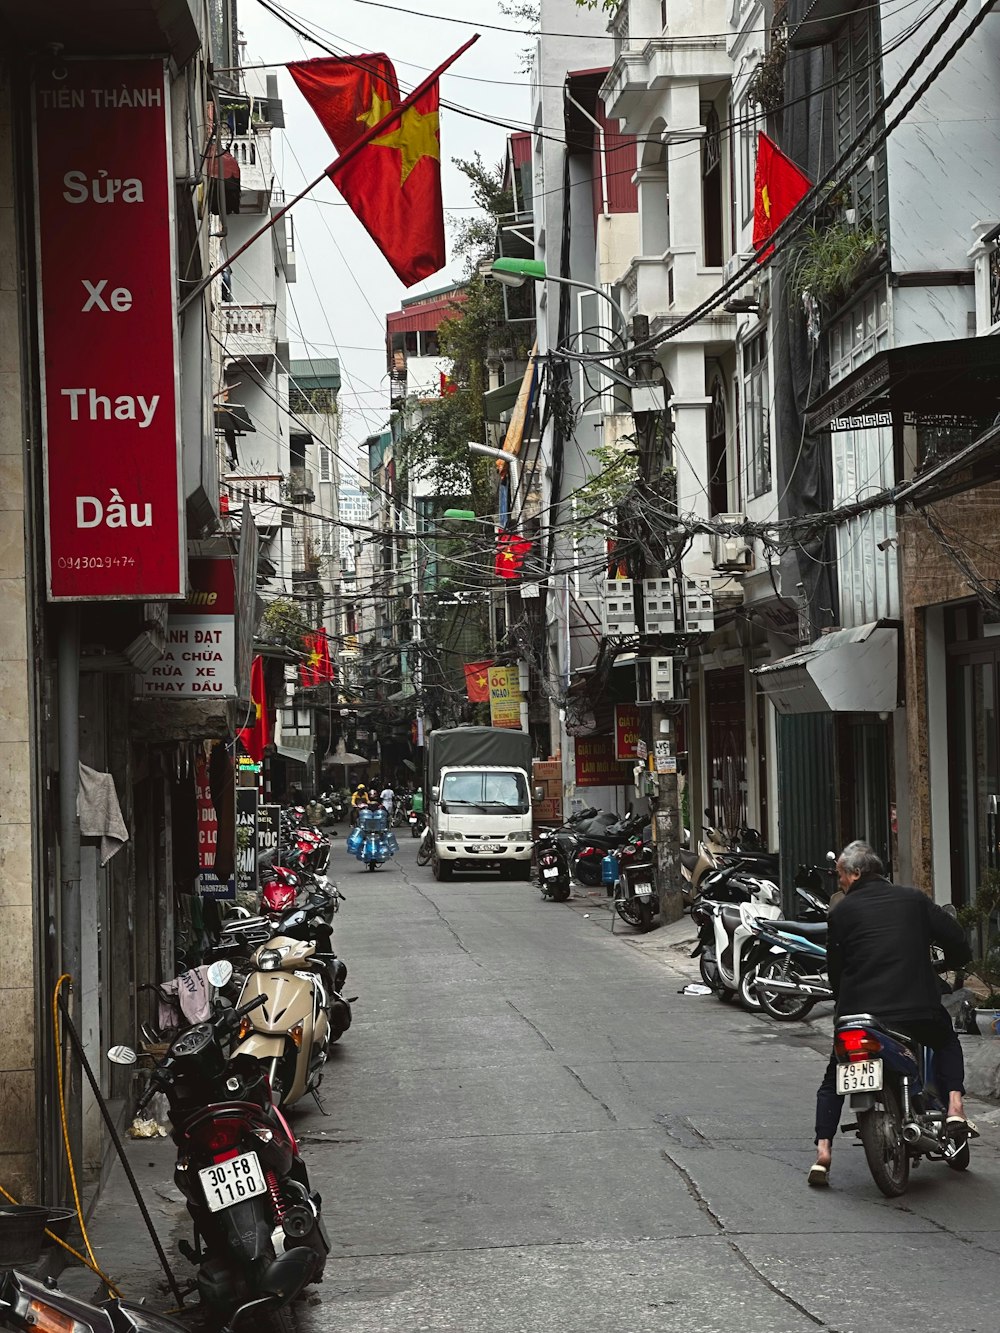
[{"x": 498, "y": 401}]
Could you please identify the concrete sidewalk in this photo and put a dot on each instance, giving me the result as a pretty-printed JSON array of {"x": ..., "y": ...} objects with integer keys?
[{"x": 671, "y": 946}]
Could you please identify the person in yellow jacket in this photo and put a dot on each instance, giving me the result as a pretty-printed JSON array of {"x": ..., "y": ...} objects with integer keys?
[{"x": 358, "y": 797}]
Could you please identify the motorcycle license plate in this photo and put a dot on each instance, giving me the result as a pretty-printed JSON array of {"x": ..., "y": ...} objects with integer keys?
[
  {"x": 860, "y": 1076},
  {"x": 231, "y": 1182},
  {"x": 643, "y": 890},
  {"x": 550, "y": 872}
]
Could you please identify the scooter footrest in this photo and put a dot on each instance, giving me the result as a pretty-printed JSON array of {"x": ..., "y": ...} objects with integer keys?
[{"x": 849, "y": 1129}]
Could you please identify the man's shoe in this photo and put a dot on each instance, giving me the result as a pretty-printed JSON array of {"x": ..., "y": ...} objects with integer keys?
[{"x": 819, "y": 1175}]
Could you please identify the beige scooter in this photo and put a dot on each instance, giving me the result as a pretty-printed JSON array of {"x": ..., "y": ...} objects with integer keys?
[{"x": 289, "y": 1033}]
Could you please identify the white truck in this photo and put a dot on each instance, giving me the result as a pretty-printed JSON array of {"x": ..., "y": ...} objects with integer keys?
[{"x": 478, "y": 780}]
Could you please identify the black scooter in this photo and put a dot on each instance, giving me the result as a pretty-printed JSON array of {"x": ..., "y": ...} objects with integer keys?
[
  {"x": 553, "y": 867},
  {"x": 259, "y": 1236}
]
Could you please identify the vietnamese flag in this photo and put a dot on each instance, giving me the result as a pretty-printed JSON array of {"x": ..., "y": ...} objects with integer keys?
[
  {"x": 258, "y": 735},
  {"x": 317, "y": 667},
  {"x": 779, "y": 186},
  {"x": 511, "y": 550},
  {"x": 389, "y": 169},
  {"x": 477, "y": 682}
]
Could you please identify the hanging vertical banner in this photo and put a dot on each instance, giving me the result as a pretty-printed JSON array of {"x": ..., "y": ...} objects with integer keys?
[
  {"x": 505, "y": 697},
  {"x": 114, "y": 511},
  {"x": 246, "y": 839},
  {"x": 628, "y": 729},
  {"x": 209, "y": 885}
]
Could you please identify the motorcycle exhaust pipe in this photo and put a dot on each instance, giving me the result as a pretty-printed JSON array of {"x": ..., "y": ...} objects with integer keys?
[
  {"x": 914, "y": 1137},
  {"x": 803, "y": 988}
]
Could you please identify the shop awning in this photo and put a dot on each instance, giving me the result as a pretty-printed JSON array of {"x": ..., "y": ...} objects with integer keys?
[
  {"x": 298, "y": 748},
  {"x": 498, "y": 401},
  {"x": 955, "y": 381},
  {"x": 844, "y": 671}
]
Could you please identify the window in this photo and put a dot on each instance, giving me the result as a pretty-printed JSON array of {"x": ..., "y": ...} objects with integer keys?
[
  {"x": 711, "y": 187},
  {"x": 325, "y": 472},
  {"x": 863, "y": 464},
  {"x": 747, "y": 129},
  {"x": 757, "y": 415},
  {"x": 857, "y": 97},
  {"x": 718, "y": 451},
  {"x": 490, "y": 793}
]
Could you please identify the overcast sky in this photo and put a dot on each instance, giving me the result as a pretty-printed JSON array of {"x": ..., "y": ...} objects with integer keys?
[{"x": 345, "y": 288}]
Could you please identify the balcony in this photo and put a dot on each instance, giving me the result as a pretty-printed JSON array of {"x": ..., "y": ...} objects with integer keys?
[
  {"x": 300, "y": 486},
  {"x": 263, "y": 495},
  {"x": 253, "y": 154},
  {"x": 248, "y": 332}
]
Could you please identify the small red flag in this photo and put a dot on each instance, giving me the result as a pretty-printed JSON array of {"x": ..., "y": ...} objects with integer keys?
[
  {"x": 778, "y": 186},
  {"x": 317, "y": 668},
  {"x": 511, "y": 550},
  {"x": 477, "y": 682},
  {"x": 389, "y": 171},
  {"x": 258, "y": 735}
]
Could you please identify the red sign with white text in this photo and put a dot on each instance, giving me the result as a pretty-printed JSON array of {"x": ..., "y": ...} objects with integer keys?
[
  {"x": 596, "y": 765},
  {"x": 114, "y": 511}
]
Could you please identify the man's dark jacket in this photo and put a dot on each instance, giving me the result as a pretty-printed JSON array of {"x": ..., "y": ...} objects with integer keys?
[{"x": 879, "y": 951}]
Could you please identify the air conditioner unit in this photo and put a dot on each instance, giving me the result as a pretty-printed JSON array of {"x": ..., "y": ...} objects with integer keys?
[
  {"x": 731, "y": 554},
  {"x": 734, "y": 263}
]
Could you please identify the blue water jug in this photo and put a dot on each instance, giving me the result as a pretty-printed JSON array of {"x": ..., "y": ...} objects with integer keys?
[
  {"x": 609, "y": 868},
  {"x": 354, "y": 840},
  {"x": 392, "y": 843}
]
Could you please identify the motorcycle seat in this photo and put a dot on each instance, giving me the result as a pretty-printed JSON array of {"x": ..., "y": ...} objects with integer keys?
[
  {"x": 815, "y": 930},
  {"x": 689, "y": 859}
]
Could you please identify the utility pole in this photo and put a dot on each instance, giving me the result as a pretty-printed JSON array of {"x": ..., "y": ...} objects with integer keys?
[{"x": 654, "y": 431}]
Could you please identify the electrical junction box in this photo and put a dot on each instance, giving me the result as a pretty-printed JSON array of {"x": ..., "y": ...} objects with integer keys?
[
  {"x": 658, "y": 601},
  {"x": 618, "y": 607}
]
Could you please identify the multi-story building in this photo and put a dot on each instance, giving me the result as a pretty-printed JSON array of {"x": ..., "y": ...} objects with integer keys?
[{"x": 122, "y": 104}]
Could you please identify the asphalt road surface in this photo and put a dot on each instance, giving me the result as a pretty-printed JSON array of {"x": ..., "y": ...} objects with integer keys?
[{"x": 530, "y": 1131}]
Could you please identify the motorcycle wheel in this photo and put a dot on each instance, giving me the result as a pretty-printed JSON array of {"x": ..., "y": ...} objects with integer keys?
[
  {"x": 562, "y": 895},
  {"x": 371, "y": 865},
  {"x": 784, "y": 1008},
  {"x": 414, "y": 831},
  {"x": 881, "y": 1132},
  {"x": 749, "y": 998},
  {"x": 423, "y": 856},
  {"x": 587, "y": 872},
  {"x": 646, "y": 917},
  {"x": 628, "y": 913}
]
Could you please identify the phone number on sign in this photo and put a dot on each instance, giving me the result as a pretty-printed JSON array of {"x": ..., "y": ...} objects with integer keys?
[{"x": 96, "y": 561}]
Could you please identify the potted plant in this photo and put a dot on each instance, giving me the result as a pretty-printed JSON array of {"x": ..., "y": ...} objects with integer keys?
[{"x": 980, "y": 919}]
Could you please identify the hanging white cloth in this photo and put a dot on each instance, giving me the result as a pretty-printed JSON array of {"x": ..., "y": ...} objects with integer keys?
[{"x": 99, "y": 812}]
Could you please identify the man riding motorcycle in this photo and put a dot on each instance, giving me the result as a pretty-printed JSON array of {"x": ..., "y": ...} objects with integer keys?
[{"x": 878, "y": 952}]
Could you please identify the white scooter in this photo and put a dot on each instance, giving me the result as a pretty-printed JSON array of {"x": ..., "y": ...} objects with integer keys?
[{"x": 724, "y": 932}]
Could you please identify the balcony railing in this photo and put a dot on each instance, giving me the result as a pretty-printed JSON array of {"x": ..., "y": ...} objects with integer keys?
[
  {"x": 263, "y": 495},
  {"x": 253, "y": 153},
  {"x": 248, "y": 331}
]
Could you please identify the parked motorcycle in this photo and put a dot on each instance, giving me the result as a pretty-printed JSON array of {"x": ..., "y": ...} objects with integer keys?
[
  {"x": 725, "y": 929},
  {"x": 259, "y": 1233},
  {"x": 297, "y": 1015},
  {"x": 889, "y": 1080},
  {"x": 553, "y": 867},
  {"x": 790, "y": 958},
  {"x": 426, "y": 849},
  {"x": 30, "y": 1303},
  {"x": 591, "y": 848},
  {"x": 636, "y": 899},
  {"x": 417, "y": 821}
]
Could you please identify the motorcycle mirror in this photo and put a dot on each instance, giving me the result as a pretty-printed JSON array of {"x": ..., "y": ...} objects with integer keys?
[
  {"x": 122, "y": 1055},
  {"x": 220, "y": 973},
  {"x": 831, "y": 858},
  {"x": 950, "y": 909}
]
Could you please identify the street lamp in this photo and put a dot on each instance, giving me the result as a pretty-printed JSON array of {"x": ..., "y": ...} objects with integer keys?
[{"x": 516, "y": 272}]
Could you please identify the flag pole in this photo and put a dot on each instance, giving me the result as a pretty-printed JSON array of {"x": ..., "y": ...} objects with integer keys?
[{"x": 344, "y": 158}]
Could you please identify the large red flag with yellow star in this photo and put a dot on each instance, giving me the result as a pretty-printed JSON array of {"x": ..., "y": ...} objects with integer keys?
[
  {"x": 389, "y": 169},
  {"x": 779, "y": 186},
  {"x": 257, "y": 735}
]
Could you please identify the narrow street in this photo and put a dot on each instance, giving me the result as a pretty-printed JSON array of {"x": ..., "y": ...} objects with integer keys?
[{"x": 530, "y": 1129}]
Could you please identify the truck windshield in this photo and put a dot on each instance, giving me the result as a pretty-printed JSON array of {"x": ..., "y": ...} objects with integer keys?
[{"x": 492, "y": 793}]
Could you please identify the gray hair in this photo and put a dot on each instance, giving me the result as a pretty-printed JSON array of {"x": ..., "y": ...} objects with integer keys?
[{"x": 858, "y": 858}]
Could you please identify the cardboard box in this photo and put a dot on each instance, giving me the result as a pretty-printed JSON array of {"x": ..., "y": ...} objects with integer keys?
[
  {"x": 547, "y": 770},
  {"x": 547, "y": 812},
  {"x": 553, "y": 790}
]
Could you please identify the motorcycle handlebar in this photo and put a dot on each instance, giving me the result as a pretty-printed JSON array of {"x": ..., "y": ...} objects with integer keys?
[{"x": 248, "y": 1008}]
